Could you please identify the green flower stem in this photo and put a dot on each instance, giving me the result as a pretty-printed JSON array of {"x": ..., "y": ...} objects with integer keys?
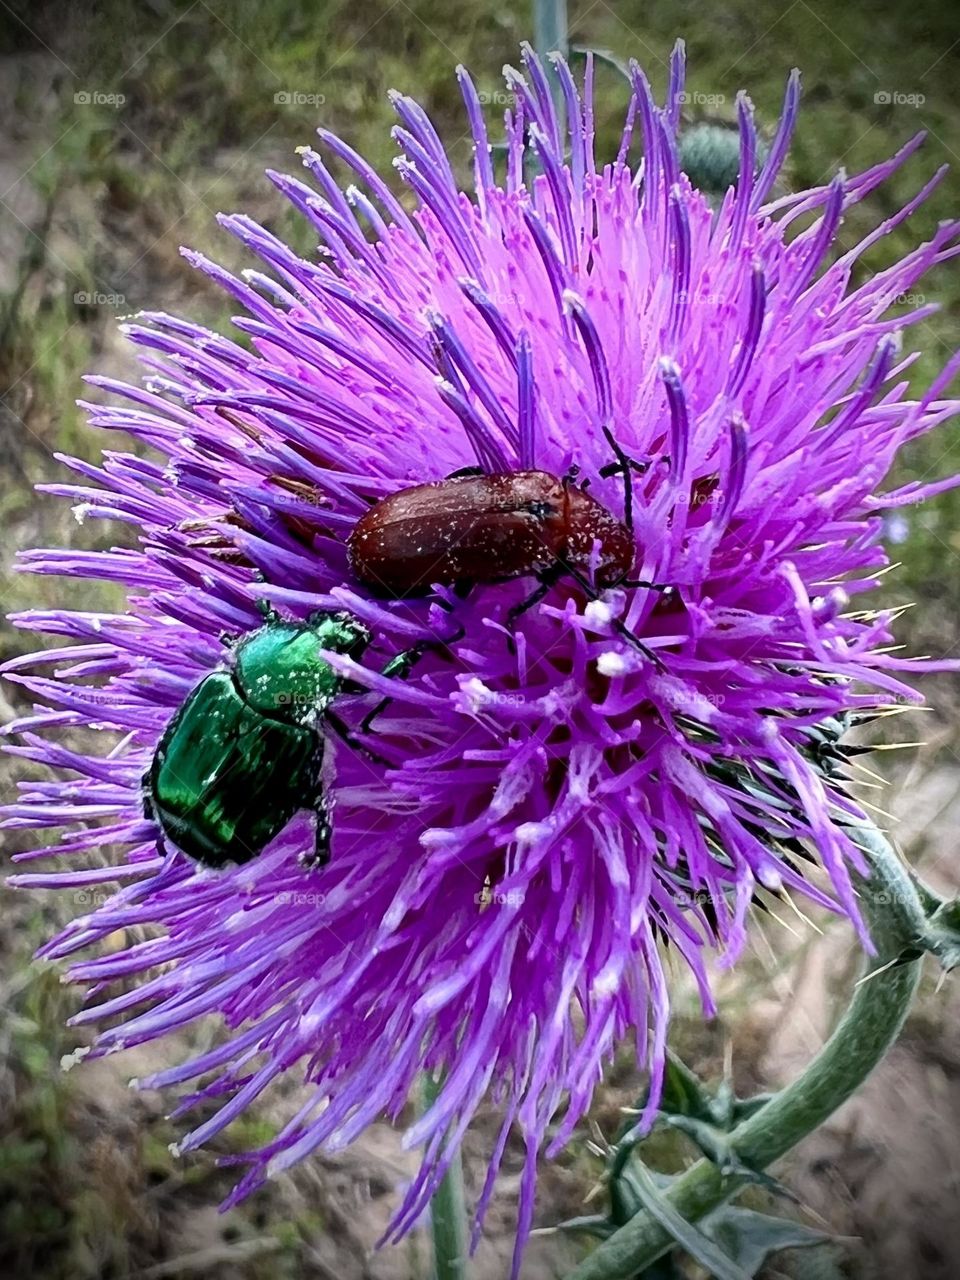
[
  {"x": 448, "y": 1218},
  {"x": 551, "y": 35},
  {"x": 550, "y": 26},
  {"x": 874, "y": 1017}
]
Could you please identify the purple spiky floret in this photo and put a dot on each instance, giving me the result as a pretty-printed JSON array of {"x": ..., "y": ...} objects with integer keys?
[{"x": 560, "y": 808}]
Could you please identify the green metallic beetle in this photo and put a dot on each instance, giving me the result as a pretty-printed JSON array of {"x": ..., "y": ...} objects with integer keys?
[{"x": 247, "y": 749}]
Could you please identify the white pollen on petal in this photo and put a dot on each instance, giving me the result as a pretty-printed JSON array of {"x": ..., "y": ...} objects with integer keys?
[
  {"x": 770, "y": 878},
  {"x": 81, "y": 511},
  {"x": 475, "y": 692},
  {"x": 70, "y": 1060},
  {"x": 437, "y": 838},
  {"x": 606, "y": 982},
  {"x": 527, "y": 832},
  {"x": 598, "y": 613},
  {"x": 611, "y": 663},
  {"x": 769, "y": 730}
]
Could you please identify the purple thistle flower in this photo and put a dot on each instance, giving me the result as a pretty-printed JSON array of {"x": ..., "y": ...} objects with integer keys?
[{"x": 557, "y": 806}]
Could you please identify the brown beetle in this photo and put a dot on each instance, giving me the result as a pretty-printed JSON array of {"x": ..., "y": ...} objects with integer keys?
[{"x": 486, "y": 528}]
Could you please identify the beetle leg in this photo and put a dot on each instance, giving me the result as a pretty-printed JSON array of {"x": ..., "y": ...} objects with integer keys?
[
  {"x": 466, "y": 471},
  {"x": 403, "y": 663},
  {"x": 323, "y": 830},
  {"x": 400, "y": 666},
  {"x": 546, "y": 578},
  {"x": 625, "y": 632},
  {"x": 367, "y": 723},
  {"x": 649, "y": 586},
  {"x": 266, "y": 609},
  {"x": 346, "y": 736},
  {"x": 148, "y": 810}
]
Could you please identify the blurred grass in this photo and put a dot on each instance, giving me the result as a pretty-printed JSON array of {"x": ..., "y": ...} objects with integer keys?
[{"x": 111, "y": 192}]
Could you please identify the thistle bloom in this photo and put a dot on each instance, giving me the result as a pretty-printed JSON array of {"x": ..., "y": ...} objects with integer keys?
[{"x": 554, "y": 808}]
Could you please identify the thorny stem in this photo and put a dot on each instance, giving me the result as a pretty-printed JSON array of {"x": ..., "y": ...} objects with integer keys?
[
  {"x": 898, "y": 926},
  {"x": 447, "y": 1209}
]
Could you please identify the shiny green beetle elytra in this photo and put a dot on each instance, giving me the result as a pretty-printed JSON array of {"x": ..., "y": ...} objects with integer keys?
[{"x": 247, "y": 748}]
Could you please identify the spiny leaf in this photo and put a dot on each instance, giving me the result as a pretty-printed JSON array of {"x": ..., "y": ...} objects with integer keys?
[
  {"x": 683, "y": 1095},
  {"x": 602, "y": 55},
  {"x": 942, "y": 936},
  {"x": 700, "y": 1247},
  {"x": 717, "y": 1146},
  {"x": 749, "y": 1238},
  {"x": 744, "y": 1108}
]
